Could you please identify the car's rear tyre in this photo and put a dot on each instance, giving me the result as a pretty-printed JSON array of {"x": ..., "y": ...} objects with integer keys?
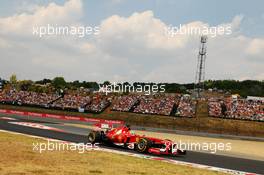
[
  {"x": 94, "y": 137},
  {"x": 143, "y": 145}
]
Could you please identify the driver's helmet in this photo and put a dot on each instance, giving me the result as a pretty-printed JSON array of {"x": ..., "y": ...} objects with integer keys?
[{"x": 128, "y": 127}]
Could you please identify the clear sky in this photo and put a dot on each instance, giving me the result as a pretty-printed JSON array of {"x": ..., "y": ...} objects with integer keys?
[{"x": 131, "y": 45}]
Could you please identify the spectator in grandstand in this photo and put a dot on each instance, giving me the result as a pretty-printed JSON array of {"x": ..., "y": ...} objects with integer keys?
[
  {"x": 214, "y": 108},
  {"x": 237, "y": 109},
  {"x": 125, "y": 103},
  {"x": 186, "y": 107},
  {"x": 156, "y": 105},
  {"x": 27, "y": 98},
  {"x": 98, "y": 104},
  {"x": 72, "y": 102}
]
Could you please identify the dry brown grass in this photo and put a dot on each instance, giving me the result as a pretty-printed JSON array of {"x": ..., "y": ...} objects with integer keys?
[{"x": 18, "y": 158}]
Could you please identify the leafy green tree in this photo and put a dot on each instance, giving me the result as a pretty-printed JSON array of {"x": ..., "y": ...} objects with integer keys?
[
  {"x": 106, "y": 83},
  {"x": 92, "y": 85},
  {"x": 13, "y": 79},
  {"x": 25, "y": 84},
  {"x": 44, "y": 81},
  {"x": 59, "y": 83}
]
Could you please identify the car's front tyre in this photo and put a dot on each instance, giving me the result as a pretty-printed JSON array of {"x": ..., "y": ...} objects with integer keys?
[
  {"x": 143, "y": 145},
  {"x": 94, "y": 137}
]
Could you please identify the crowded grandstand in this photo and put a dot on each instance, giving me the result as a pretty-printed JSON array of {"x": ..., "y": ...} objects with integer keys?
[
  {"x": 159, "y": 104},
  {"x": 236, "y": 109}
]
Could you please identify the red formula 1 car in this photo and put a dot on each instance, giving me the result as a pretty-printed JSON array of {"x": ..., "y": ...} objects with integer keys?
[{"x": 124, "y": 137}]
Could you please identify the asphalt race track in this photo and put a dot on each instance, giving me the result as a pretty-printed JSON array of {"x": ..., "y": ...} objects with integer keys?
[{"x": 233, "y": 163}]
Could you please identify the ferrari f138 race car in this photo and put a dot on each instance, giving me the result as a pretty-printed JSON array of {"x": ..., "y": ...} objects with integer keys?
[{"x": 124, "y": 137}]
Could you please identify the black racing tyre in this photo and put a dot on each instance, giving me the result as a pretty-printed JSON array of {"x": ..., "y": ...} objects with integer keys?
[
  {"x": 94, "y": 137},
  {"x": 143, "y": 145}
]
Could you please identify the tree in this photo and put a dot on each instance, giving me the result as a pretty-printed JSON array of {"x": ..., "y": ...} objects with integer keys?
[
  {"x": 13, "y": 79},
  {"x": 25, "y": 84},
  {"x": 59, "y": 83},
  {"x": 44, "y": 81},
  {"x": 76, "y": 84},
  {"x": 92, "y": 85},
  {"x": 106, "y": 83}
]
